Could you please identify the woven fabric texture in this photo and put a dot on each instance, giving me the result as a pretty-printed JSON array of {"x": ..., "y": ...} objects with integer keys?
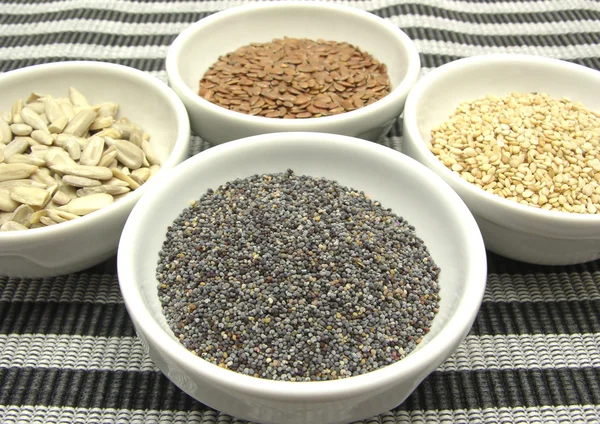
[{"x": 68, "y": 350}]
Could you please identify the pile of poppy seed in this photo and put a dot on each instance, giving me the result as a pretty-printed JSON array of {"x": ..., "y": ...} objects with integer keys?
[{"x": 290, "y": 277}]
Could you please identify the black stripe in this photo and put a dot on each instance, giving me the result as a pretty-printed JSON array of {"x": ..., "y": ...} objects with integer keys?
[
  {"x": 75, "y": 318},
  {"x": 500, "y": 265},
  {"x": 112, "y": 320},
  {"x": 500, "y": 318},
  {"x": 389, "y": 11},
  {"x": 415, "y": 33},
  {"x": 440, "y": 391},
  {"x": 158, "y": 64}
]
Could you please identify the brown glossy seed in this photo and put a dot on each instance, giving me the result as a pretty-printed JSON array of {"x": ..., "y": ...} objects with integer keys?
[{"x": 258, "y": 79}]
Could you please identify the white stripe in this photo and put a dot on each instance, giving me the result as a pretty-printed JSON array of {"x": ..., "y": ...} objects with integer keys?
[
  {"x": 555, "y": 287},
  {"x": 10, "y": 414},
  {"x": 67, "y": 415},
  {"x": 84, "y": 51},
  {"x": 545, "y": 28},
  {"x": 94, "y": 25},
  {"x": 100, "y": 52},
  {"x": 86, "y": 353},
  {"x": 74, "y": 352},
  {"x": 538, "y": 351},
  {"x": 457, "y": 49},
  {"x": 403, "y": 21},
  {"x": 208, "y": 6}
]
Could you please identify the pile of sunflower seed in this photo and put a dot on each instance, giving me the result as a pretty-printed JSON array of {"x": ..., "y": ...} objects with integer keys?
[
  {"x": 62, "y": 158},
  {"x": 295, "y": 78},
  {"x": 295, "y": 278}
]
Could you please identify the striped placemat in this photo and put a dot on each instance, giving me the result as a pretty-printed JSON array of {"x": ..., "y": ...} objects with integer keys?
[{"x": 68, "y": 350}]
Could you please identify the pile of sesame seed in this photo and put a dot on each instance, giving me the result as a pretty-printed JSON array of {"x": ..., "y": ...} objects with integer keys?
[
  {"x": 530, "y": 148},
  {"x": 296, "y": 278}
]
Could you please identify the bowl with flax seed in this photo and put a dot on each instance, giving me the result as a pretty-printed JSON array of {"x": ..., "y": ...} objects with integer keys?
[
  {"x": 292, "y": 66},
  {"x": 518, "y": 137}
]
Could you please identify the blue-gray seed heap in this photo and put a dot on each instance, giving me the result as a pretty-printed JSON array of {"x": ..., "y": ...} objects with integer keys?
[{"x": 295, "y": 278}]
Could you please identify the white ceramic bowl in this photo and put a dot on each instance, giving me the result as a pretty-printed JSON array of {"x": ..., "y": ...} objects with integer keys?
[
  {"x": 200, "y": 45},
  {"x": 83, "y": 242},
  {"x": 441, "y": 219},
  {"x": 510, "y": 229}
]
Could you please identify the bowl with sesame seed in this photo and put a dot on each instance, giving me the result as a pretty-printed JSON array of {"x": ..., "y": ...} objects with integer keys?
[
  {"x": 301, "y": 277},
  {"x": 518, "y": 137},
  {"x": 292, "y": 66}
]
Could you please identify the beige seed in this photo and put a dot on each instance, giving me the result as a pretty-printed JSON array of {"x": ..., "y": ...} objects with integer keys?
[
  {"x": 47, "y": 221},
  {"x": 29, "y": 159},
  {"x": 59, "y": 125},
  {"x": 116, "y": 182},
  {"x": 33, "y": 196},
  {"x": 128, "y": 153},
  {"x": 124, "y": 177},
  {"x": 53, "y": 110},
  {"x": 87, "y": 204},
  {"x": 80, "y": 123},
  {"x": 55, "y": 216},
  {"x": 108, "y": 157},
  {"x": 58, "y": 156},
  {"x": 92, "y": 153},
  {"x": 21, "y": 129},
  {"x": 76, "y": 181},
  {"x": 5, "y": 132},
  {"x": 101, "y": 122},
  {"x": 22, "y": 215},
  {"x": 150, "y": 153},
  {"x": 7, "y": 203},
  {"x": 136, "y": 137},
  {"x": 31, "y": 118},
  {"x": 107, "y": 109},
  {"x": 153, "y": 170},
  {"x": 61, "y": 198},
  {"x": 12, "y": 226},
  {"x": 9, "y": 184},
  {"x": 5, "y": 217},
  {"x": 141, "y": 175},
  {"x": 16, "y": 112},
  {"x": 113, "y": 190},
  {"x": 67, "y": 108},
  {"x": 93, "y": 172},
  {"x": 77, "y": 98},
  {"x": 42, "y": 137},
  {"x": 111, "y": 132},
  {"x": 125, "y": 127},
  {"x": 18, "y": 146},
  {"x": 15, "y": 171},
  {"x": 73, "y": 148}
]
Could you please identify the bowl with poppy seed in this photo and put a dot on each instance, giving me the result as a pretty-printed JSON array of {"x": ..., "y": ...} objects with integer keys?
[
  {"x": 292, "y": 66},
  {"x": 518, "y": 138},
  {"x": 301, "y": 277},
  {"x": 80, "y": 142}
]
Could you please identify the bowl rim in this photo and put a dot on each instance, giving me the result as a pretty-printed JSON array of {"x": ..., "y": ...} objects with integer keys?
[
  {"x": 397, "y": 94},
  {"x": 180, "y": 148},
  {"x": 413, "y": 367},
  {"x": 411, "y": 112}
]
